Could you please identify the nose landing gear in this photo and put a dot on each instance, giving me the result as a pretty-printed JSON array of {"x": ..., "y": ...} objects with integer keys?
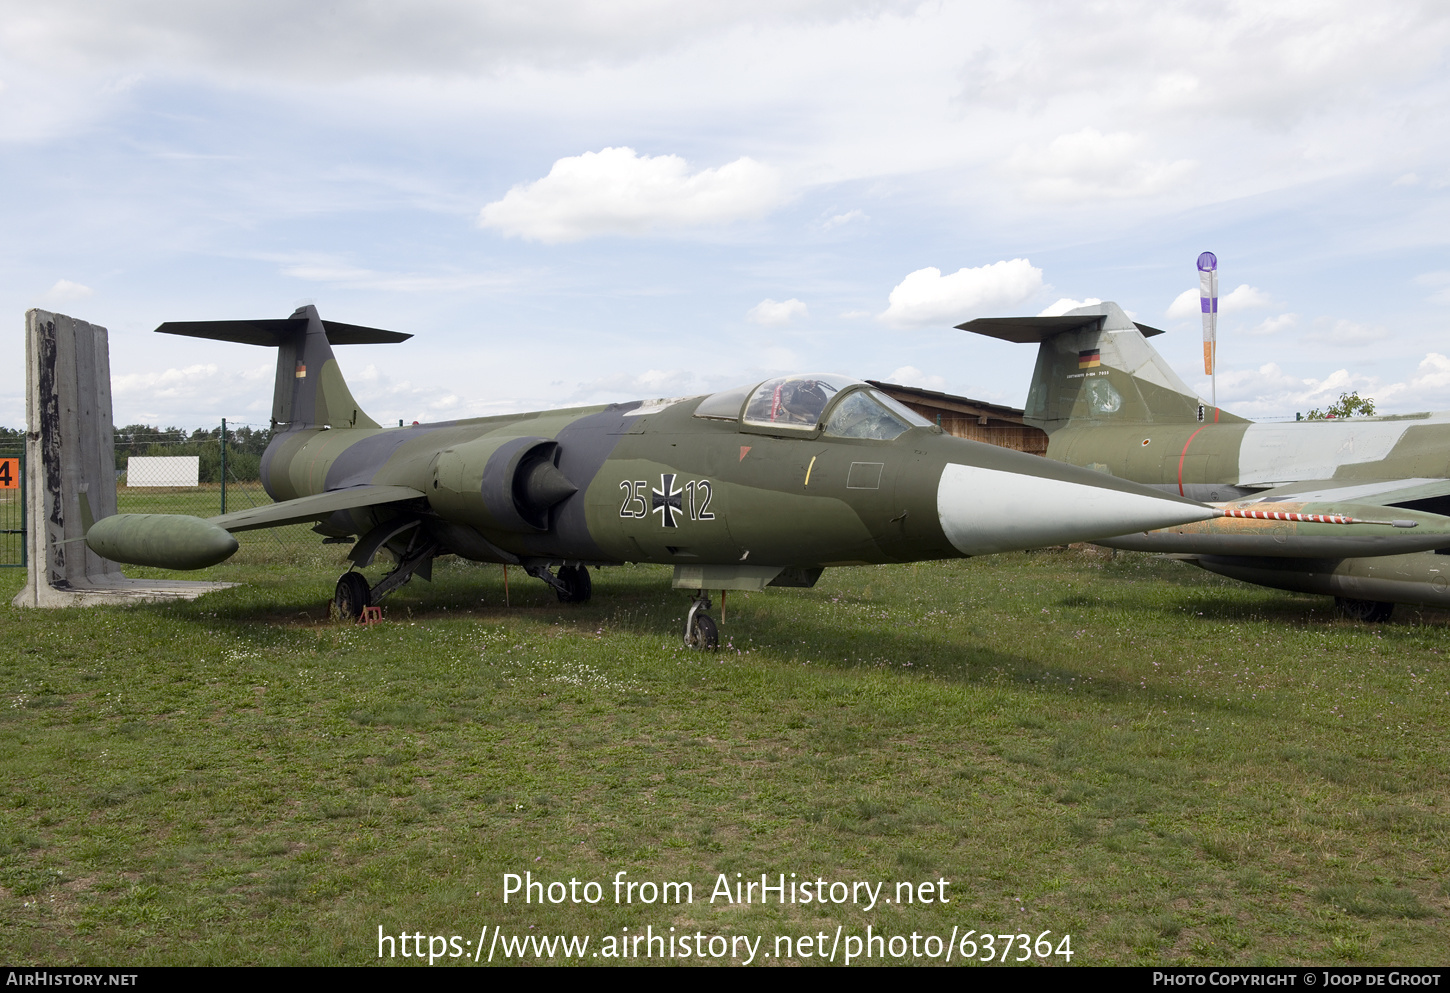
[{"x": 701, "y": 633}]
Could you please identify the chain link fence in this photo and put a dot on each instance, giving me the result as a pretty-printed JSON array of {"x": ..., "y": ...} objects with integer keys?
[
  {"x": 12, "y": 505},
  {"x": 228, "y": 470}
]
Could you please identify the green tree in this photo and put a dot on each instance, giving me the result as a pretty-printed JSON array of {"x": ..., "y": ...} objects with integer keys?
[
  {"x": 244, "y": 448},
  {"x": 1347, "y": 405}
]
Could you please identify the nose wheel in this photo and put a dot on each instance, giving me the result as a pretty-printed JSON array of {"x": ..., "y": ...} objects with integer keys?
[{"x": 701, "y": 634}]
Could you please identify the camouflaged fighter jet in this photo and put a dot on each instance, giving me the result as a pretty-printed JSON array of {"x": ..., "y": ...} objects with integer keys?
[
  {"x": 763, "y": 485},
  {"x": 1353, "y": 508}
]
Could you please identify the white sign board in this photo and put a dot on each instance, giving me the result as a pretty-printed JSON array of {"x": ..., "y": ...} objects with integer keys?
[{"x": 169, "y": 470}]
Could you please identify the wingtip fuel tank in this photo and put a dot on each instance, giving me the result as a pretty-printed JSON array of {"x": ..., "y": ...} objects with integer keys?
[
  {"x": 165, "y": 541},
  {"x": 985, "y": 509}
]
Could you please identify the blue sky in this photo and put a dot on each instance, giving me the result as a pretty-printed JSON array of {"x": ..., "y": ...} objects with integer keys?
[{"x": 577, "y": 203}]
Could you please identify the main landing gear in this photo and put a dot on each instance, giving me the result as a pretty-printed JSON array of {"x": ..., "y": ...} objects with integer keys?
[
  {"x": 701, "y": 633},
  {"x": 353, "y": 593}
]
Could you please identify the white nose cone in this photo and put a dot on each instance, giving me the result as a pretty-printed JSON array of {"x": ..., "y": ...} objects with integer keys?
[{"x": 989, "y": 510}]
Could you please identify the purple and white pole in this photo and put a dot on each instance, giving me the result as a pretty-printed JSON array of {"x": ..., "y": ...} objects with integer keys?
[{"x": 1208, "y": 300}]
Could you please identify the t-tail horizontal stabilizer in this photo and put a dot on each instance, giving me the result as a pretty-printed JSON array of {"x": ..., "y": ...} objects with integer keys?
[
  {"x": 310, "y": 390},
  {"x": 1095, "y": 367}
]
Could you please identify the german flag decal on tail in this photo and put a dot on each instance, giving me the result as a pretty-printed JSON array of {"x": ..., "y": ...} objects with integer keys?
[{"x": 1089, "y": 359}]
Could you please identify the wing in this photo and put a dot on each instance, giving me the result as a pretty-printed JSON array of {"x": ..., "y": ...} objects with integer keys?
[
  {"x": 1429, "y": 495},
  {"x": 1385, "y": 517},
  {"x": 315, "y": 507}
]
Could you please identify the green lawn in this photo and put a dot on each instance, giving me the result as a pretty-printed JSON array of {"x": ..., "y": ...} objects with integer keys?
[{"x": 1169, "y": 767}]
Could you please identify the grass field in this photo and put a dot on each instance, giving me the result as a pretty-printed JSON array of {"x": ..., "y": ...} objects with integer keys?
[{"x": 1169, "y": 767}]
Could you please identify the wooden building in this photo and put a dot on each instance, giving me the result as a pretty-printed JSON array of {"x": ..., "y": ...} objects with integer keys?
[{"x": 971, "y": 419}]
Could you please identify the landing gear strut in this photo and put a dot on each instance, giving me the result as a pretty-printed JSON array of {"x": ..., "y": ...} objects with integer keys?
[
  {"x": 571, "y": 585},
  {"x": 353, "y": 593},
  {"x": 700, "y": 631},
  {"x": 1368, "y": 611},
  {"x": 576, "y": 580}
]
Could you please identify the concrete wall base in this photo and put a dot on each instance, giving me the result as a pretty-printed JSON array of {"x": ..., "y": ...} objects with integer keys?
[{"x": 70, "y": 451}]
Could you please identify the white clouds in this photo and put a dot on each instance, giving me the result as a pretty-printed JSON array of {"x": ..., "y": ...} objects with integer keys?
[
  {"x": 1065, "y": 304},
  {"x": 436, "y": 37},
  {"x": 616, "y": 191},
  {"x": 1273, "y": 325},
  {"x": 910, "y": 375},
  {"x": 1184, "y": 306},
  {"x": 1348, "y": 333},
  {"x": 197, "y": 393},
  {"x": 194, "y": 380},
  {"x": 1089, "y": 165},
  {"x": 1269, "y": 64},
  {"x": 1429, "y": 387},
  {"x": 927, "y": 297},
  {"x": 353, "y": 277},
  {"x": 399, "y": 122},
  {"x": 838, "y": 220},
  {"x": 774, "y": 312},
  {"x": 1244, "y": 297},
  {"x": 1440, "y": 280},
  {"x": 651, "y": 383},
  {"x": 1269, "y": 391},
  {"x": 64, "y": 291}
]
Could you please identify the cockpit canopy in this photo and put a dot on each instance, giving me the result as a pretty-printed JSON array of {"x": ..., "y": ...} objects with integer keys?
[{"x": 848, "y": 407}]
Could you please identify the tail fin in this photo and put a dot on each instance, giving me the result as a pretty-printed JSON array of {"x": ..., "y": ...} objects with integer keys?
[
  {"x": 1095, "y": 367},
  {"x": 310, "y": 391}
]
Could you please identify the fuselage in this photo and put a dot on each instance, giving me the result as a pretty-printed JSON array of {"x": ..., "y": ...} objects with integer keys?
[
  {"x": 655, "y": 482},
  {"x": 1223, "y": 461}
]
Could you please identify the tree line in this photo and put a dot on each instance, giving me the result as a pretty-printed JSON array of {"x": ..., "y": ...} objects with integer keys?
[{"x": 244, "y": 447}]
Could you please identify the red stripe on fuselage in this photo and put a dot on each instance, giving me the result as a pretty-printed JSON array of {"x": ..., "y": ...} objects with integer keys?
[{"x": 1184, "y": 455}]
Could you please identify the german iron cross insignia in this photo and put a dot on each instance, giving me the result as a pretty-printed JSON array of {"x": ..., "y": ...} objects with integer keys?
[{"x": 666, "y": 501}]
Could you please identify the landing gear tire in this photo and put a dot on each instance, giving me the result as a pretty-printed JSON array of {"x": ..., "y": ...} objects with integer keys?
[
  {"x": 703, "y": 636},
  {"x": 576, "y": 579},
  {"x": 1368, "y": 611},
  {"x": 352, "y": 596}
]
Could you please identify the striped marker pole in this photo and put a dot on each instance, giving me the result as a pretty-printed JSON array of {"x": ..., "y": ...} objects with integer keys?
[{"x": 1208, "y": 301}]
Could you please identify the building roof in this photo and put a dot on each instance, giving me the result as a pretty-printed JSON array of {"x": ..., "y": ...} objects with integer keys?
[{"x": 947, "y": 401}]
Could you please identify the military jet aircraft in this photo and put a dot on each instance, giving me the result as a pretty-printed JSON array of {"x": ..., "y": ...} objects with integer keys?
[
  {"x": 763, "y": 485},
  {"x": 1353, "y": 508}
]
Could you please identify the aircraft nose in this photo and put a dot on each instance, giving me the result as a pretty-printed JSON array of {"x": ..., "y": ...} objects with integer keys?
[{"x": 985, "y": 510}]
